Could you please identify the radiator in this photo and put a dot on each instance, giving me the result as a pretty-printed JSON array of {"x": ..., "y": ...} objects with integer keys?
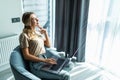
[{"x": 7, "y": 44}]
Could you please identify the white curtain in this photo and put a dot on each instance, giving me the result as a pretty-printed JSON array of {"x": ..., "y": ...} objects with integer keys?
[{"x": 103, "y": 35}]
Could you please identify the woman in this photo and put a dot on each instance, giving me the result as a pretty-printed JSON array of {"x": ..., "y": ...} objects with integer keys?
[{"x": 33, "y": 45}]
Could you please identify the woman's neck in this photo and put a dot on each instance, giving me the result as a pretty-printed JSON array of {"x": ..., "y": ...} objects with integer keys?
[{"x": 32, "y": 28}]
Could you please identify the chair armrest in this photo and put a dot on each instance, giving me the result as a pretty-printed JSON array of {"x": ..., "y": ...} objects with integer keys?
[
  {"x": 54, "y": 52},
  {"x": 23, "y": 74},
  {"x": 62, "y": 54}
]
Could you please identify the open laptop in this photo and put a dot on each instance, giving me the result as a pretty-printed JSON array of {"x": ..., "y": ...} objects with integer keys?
[{"x": 61, "y": 62}]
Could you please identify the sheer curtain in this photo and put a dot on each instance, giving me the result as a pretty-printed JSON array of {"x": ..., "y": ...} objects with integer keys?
[{"x": 103, "y": 35}]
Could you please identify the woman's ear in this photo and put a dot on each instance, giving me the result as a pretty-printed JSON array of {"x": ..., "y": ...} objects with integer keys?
[{"x": 31, "y": 22}]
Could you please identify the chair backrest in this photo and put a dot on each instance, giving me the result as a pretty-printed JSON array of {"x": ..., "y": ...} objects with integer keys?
[
  {"x": 20, "y": 66},
  {"x": 16, "y": 59}
]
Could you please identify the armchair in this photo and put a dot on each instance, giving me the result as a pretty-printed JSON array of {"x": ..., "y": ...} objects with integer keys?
[{"x": 20, "y": 66}]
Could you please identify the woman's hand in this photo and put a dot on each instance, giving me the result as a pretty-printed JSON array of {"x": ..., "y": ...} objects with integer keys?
[
  {"x": 50, "y": 61},
  {"x": 43, "y": 31}
]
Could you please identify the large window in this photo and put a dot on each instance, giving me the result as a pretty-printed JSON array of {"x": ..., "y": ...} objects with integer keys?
[
  {"x": 103, "y": 35},
  {"x": 45, "y": 10}
]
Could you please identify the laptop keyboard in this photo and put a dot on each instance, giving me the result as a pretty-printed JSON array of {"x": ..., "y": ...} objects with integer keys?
[{"x": 59, "y": 63}]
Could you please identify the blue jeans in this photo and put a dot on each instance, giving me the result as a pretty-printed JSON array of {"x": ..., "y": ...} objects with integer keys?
[{"x": 35, "y": 69}]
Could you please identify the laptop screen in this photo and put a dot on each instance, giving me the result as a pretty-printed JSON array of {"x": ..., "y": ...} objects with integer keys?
[{"x": 74, "y": 53}]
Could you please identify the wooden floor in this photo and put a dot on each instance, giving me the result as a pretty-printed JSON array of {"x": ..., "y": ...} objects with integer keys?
[{"x": 82, "y": 71}]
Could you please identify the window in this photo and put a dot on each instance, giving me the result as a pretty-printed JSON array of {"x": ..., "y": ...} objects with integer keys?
[
  {"x": 103, "y": 35},
  {"x": 45, "y": 10}
]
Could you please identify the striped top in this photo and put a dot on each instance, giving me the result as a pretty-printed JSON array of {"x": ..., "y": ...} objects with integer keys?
[{"x": 35, "y": 45}]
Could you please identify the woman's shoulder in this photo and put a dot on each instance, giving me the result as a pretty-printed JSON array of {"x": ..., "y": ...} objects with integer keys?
[{"x": 23, "y": 35}]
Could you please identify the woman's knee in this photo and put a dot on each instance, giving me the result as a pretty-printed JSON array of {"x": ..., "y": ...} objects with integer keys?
[
  {"x": 52, "y": 53},
  {"x": 65, "y": 75}
]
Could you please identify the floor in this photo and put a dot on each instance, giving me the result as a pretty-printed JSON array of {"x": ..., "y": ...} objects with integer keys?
[
  {"x": 85, "y": 71},
  {"x": 6, "y": 75},
  {"x": 82, "y": 71}
]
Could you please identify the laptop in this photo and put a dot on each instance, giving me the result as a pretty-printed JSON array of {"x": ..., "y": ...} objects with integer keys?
[{"x": 61, "y": 62}]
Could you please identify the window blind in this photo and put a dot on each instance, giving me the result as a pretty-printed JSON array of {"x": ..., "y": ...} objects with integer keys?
[
  {"x": 45, "y": 11},
  {"x": 39, "y": 7}
]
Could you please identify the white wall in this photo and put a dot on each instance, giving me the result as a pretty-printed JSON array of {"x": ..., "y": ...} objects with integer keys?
[{"x": 10, "y": 9}]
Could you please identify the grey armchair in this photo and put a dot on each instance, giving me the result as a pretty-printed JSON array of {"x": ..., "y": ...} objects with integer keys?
[{"x": 20, "y": 66}]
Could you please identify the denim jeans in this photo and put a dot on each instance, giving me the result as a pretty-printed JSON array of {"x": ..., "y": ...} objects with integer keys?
[{"x": 35, "y": 68}]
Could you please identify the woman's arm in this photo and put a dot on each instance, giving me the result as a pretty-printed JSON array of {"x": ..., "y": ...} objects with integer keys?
[
  {"x": 30, "y": 57},
  {"x": 47, "y": 41},
  {"x": 33, "y": 58}
]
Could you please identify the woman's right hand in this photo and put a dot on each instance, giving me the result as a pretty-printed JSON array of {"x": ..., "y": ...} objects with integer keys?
[{"x": 50, "y": 61}]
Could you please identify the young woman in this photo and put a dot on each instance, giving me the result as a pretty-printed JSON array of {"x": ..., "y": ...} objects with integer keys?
[{"x": 33, "y": 45}]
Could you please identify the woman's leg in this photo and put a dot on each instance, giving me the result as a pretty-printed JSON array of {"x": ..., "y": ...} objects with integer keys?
[
  {"x": 66, "y": 69},
  {"x": 51, "y": 53},
  {"x": 35, "y": 69}
]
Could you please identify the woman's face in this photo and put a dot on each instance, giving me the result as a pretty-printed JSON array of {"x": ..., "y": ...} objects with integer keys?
[{"x": 34, "y": 20}]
